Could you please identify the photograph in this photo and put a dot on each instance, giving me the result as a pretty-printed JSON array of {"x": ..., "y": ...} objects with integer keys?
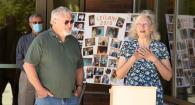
[
  {"x": 180, "y": 72},
  {"x": 181, "y": 45},
  {"x": 190, "y": 51},
  {"x": 80, "y": 44},
  {"x": 87, "y": 51},
  {"x": 190, "y": 72},
  {"x": 184, "y": 55},
  {"x": 105, "y": 79},
  {"x": 170, "y": 27},
  {"x": 185, "y": 64},
  {"x": 103, "y": 61},
  {"x": 193, "y": 74},
  {"x": 112, "y": 32},
  {"x": 182, "y": 82},
  {"x": 128, "y": 26},
  {"x": 183, "y": 33},
  {"x": 98, "y": 31},
  {"x": 192, "y": 33},
  {"x": 115, "y": 43},
  {"x": 170, "y": 19},
  {"x": 89, "y": 72},
  {"x": 96, "y": 61},
  {"x": 133, "y": 17},
  {"x": 170, "y": 36},
  {"x": 179, "y": 82},
  {"x": 189, "y": 43},
  {"x": 178, "y": 23},
  {"x": 81, "y": 16},
  {"x": 87, "y": 61},
  {"x": 126, "y": 34},
  {"x": 79, "y": 35},
  {"x": 193, "y": 81},
  {"x": 97, "y": 79},
  {"x": 103, "y": 41},
  {"x": 114, "y": 52},
  {"x": 108, "y": 71},
  {"x": 187, "y": 75},
  {"x": 179, "y": 59},
  {"x": 89, "y": 42},
  {"x": 78, "y": 26},
  {"x": 98, "y": 71},
  {"x": 113, "y": 75},
  {"x": 192, "y": 62},
  {"x": 112, "y": 63},
  {"x": 74, "y": 17},
  {"x": 74, "y": 33},
  {"x": 102, "y": 50},
  {"x": 120, "y": 22},
  {"x": 91, "y": 20},
  {"x": 126, "y": 37}
]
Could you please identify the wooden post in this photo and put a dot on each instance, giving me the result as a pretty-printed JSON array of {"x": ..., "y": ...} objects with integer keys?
[{"x": 44, "y": 8}]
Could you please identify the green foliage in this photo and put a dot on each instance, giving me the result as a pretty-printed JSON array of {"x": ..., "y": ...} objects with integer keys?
[
  {"x": 20, "y": 9},
  {"x": 71, "y": 4},
  {"x": 7, "y": 8}
]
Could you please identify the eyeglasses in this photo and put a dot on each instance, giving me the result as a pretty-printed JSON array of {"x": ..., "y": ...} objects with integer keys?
[
  {"x": 68, "y": 21},
  {"x": 37, "y": 22},
  {"x": 143, "y": 24}
]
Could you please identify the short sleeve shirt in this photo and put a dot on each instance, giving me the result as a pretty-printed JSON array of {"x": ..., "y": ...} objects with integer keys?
[
  {"x": 56, "y": 62},
  {"x": 144, "y": 72}
]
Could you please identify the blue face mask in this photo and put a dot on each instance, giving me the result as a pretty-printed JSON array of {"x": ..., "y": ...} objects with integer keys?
[{"x": 37, "y": 27}]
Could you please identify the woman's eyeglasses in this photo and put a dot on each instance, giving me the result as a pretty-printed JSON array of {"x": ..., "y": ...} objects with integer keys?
[
  {"x": 143, "y": 24},
  {"x": 67, "y": 21}
]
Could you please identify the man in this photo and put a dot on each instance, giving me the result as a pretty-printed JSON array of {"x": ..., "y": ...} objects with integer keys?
[
  {"x": 54, "y": 63},
  {"x": 26, "y": 95}
]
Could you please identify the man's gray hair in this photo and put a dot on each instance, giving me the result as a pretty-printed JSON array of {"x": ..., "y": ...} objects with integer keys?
[
  {"x": 58, "y": 11},
  {"x": 33, "y": 15}
]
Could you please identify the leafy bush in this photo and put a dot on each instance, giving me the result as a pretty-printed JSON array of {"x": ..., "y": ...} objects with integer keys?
[{"x": 20, "y": 9}]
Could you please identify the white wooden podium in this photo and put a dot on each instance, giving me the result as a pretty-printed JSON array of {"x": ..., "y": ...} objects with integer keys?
[{"x": 132, "y": 95}]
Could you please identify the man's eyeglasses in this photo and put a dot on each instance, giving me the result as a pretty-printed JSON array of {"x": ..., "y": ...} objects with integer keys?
[
  {"x": 67, "y": 21},
  {"x": 37, "y": 22}
]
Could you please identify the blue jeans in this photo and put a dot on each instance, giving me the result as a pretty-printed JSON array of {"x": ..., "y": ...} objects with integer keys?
[{"x": 57, "y": 101}]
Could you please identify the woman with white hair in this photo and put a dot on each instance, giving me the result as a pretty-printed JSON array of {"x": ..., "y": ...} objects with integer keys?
[{"x": 144, "y": 58}]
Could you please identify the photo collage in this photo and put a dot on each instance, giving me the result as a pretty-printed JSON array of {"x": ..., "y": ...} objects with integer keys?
[
  {"x": 185, "y": 56},
  {"x": 100, "y": 36}
]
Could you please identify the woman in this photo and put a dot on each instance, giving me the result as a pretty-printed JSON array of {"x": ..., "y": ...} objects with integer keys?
[{"x": 143, "y": 58}]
